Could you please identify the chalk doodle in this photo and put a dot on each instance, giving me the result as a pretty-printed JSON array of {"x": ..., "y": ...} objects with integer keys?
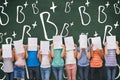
[
  {"x": 48, "y": 21},
  {"x": 85, "y": 13},
  {"x": 20, "y": 11},
  {"x": 4, "y": 14},
  {"x": 101, "y": 12},
  {"x": 35, "y": 8}
]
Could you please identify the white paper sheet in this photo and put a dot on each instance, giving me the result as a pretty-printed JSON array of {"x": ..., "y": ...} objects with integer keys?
[
  {"x": 7, "y": 51},
  {"x": 96, "y": 41},
  {"x": 57, "y": 41},
  {"x": 83, "y": 41},
  {"x": 32, "y": 44},
  {"x": 111, "y": 42},
  {"x": 44, "y": 47},
  {"x": 69, "y": 43},
  {"x": 18, "y": 46}
]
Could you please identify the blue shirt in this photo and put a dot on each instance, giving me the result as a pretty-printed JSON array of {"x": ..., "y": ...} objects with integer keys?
[
  {"x": 57, "y": 60},
  {"x": 32, "y": 60},
  {"x": 83, "y": 61}
]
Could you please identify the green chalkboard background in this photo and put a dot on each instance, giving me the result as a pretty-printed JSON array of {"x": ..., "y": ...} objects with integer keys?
[{"x": 58, "y": 17}]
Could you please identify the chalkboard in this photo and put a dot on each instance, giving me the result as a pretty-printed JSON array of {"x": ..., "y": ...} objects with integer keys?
[{"x": 20, "y": 19}]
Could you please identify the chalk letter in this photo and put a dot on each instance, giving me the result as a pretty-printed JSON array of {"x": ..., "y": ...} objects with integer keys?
[
  {"x": 116, "y": 8},
  {"x": 1, "y": 22},
  {"x": 101, "y": 11},
  {"x": 19, "y": 11},
  {"x": 85, "y": 14},
  {"x": 35, "y": 9}
]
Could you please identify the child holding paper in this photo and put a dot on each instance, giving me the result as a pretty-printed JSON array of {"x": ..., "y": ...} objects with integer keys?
[
  {"x": 83, "y": 62},
  {"x": 45, "y": 59},
  {"x": 58, "y": 62},
  {"x": 111, "y": 61},
  {"x": 45, "y": 69},
  {"x": 8, "y": 65},
  {"x": 70, "y": 60},
  {"x": 96, "y": 62},
  {"x": 33, "y": 63},
  {"x": 19, "y": 67}
]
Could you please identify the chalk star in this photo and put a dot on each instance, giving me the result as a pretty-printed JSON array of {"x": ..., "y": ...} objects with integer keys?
[
  {"x": 26, "y": 4},
  {"x": 116, "y": 24},
  {"x": 107, "y": 4},
  {"x": 34, "y": 25},
  {"x": 87, "y": 3},
  {"x": 53, "y": 7},
  {"x": 36, "y": 1},
  {"x": 118, "y": 2},
  {"x": 5, "y": 3},
  {"x": 96, "y": 34},
  {"x": 72, "y": 23},
  {"x": 14, "y": 34}
]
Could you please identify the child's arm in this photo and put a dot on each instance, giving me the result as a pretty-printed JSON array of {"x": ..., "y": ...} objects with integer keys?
[
  {"x": 52, "y": 50},
  {"x": 106, "y": 50},
  {"x": 63, "y": 51},
  {"x": 117, "y": 48},
  {"x": 50, "y": 59},
  {"x": 13, "y": 54},
  {"x": 26, "y": 54},
  {"x": 88, "y": 53},
  {"x": 39, "y": 56},
  {"x": 75, "y": 51},
  {"x": 79, "y": 54}
]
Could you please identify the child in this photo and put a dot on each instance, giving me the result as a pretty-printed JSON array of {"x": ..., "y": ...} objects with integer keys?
[
  {"x": 70, "y": 59},
  {"x": 33, "y": 64},
  {"x": 111, "y": 61},
  {"x": 45, "y": 69},
  {"x": 83, "y": 62},
  {"x": 8, "y": 67},
  {"x": 58, "y": 62},
  {"x": 96, "y": 62},
  {"x": 19, "y": 67}
]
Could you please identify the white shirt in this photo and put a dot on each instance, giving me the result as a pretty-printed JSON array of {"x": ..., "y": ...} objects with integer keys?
[
  {"x": 45, "y": 61},
  {"x": 70, "y": 59},
  {"x": 8, "y": 65}
]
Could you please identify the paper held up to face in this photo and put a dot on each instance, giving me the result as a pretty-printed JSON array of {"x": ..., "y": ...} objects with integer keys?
[
  {"x": 44, "y": 47},
  {"x": 32, "y": 44},
  {"x": 7, "y": 51},
  {"x": 69, "y": 43},
  {"x": 18, "y": 46},
  {"x": 83, "y": 41},
  {"x": 57, "y": 41},
  {"x": 96, "y": 41},
  {"x": 111, "y": 42}
]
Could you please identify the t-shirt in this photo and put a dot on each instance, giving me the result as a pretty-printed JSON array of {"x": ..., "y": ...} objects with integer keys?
[
  {"x": 8, "y": 65},
  {"x": 110, "y": 58},
  {"x": 70, "y": 59},
  {"x": 57, "y": 60},
  {"x": 32, "y": 60},
  {"x": 45, "y": 61},
  {"x": 20, "y": 61},
  {"x": 96, "y": 60},
  {"x": 83, "y": 61}
]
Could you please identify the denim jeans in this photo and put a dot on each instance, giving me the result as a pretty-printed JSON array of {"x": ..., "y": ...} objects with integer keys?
[
  {"x": 100, "y": 72},
  {"x": 111, "y": 71},
  {"x": 58, "y": 72},
  {"x": 83, "y": 72},
  {"x": 45, "y": 73},
  {"x": 34, "y": 73},
  {"x": 19, "y": 72},
  {"x": 9, "y": 76}
]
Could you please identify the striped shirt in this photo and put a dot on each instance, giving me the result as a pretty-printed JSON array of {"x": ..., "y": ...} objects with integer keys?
[{"x": 110, "y": 59}]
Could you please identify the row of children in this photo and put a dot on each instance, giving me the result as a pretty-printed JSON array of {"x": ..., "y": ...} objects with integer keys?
[{"x": 79, "y": 58}]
